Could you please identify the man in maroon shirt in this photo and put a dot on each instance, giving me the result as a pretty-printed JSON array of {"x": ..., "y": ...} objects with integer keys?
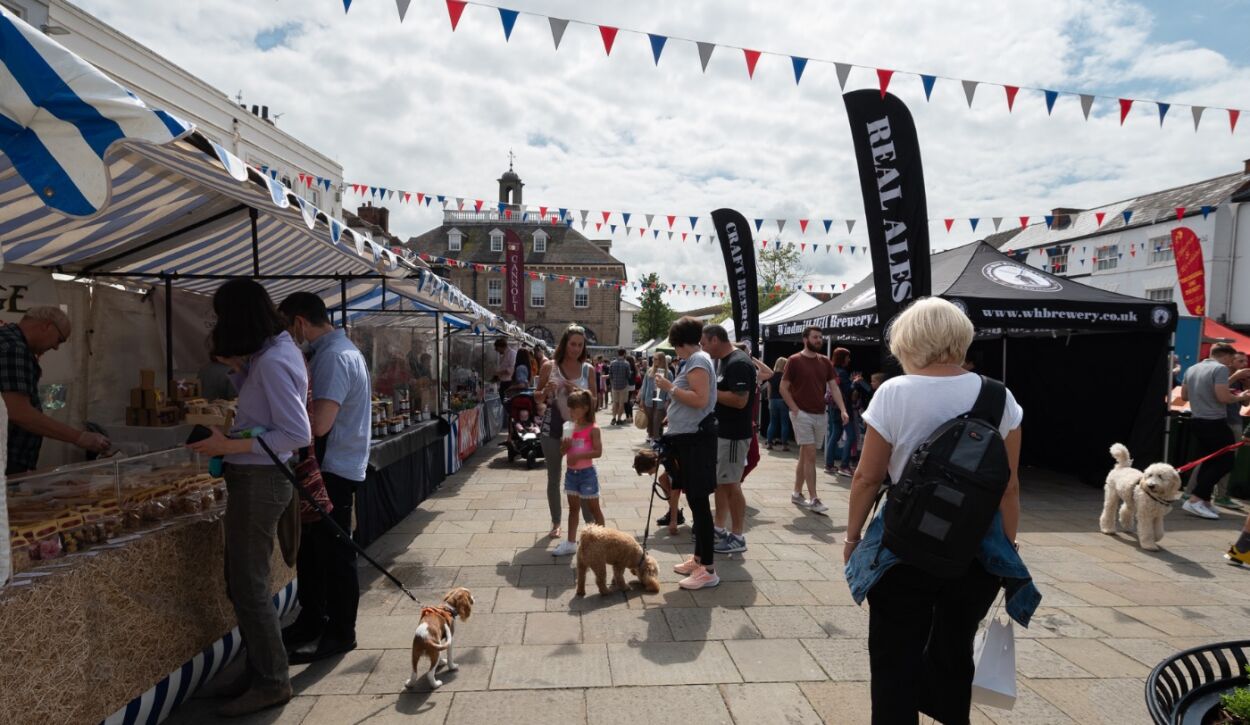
[{"x": 807, "y": 377}]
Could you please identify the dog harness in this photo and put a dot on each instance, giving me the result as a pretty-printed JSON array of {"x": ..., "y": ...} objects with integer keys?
[{"x": 443, "y": 612}]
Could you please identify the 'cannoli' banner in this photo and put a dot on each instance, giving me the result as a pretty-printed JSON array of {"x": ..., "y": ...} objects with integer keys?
[
  {"x": 739, "y": 252},
  {"x": 514, "y": 268},
  {"x": 892, "y": 183}
]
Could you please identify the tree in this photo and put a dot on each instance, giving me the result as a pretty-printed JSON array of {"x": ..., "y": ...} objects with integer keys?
[
  {"x": 656, "y": 316},
  {"x": 778, "y": 266}
]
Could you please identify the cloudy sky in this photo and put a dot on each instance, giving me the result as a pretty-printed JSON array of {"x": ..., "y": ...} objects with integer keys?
[{"x": 416, "y": 106}]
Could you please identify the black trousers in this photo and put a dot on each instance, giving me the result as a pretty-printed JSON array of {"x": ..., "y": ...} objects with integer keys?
[
  {"x": 329, "y": 587},
  {"x": 1209, "y": 436},
  {"x": 695, "y": 456},
  {"x": 920, "y": 631}
]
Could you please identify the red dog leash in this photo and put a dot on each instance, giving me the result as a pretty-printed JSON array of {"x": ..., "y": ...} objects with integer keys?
[{"x": 1220, "y": 452}]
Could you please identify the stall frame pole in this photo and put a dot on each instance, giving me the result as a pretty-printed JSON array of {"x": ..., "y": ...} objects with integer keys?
[
  {"x": 169, "y": 339},
  {"x": 254, "y": 215}
]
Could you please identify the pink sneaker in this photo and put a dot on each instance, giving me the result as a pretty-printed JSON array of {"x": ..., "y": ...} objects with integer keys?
[
  {"x": 687, "y": 567},
  {"x": 700, "y": 579}
]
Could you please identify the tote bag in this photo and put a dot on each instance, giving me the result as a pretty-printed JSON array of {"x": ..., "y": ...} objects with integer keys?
[{"x": 994, "y": 654}]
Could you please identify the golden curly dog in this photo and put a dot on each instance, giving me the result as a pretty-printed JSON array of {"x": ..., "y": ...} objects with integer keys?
[
  {"x": 1143, "y": 498},
  {"x": 599, "y": 547}
]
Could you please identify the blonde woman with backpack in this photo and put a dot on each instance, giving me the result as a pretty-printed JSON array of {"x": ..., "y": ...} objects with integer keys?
[{"x": 922, "y": 623}]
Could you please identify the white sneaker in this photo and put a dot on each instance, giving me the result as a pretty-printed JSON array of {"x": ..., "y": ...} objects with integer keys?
[
  {"x": 1201, "y": 509},
  {"x": 565, "y": 548},
  {"x": 817, "y": 506},
  {"x": 797, "y": 499}
]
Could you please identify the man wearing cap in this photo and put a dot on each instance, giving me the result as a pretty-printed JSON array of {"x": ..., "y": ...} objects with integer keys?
[{"x": 42, "y": 329}]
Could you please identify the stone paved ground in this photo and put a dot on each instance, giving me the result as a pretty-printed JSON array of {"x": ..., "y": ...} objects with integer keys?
[{"x": 779, "y": 641}]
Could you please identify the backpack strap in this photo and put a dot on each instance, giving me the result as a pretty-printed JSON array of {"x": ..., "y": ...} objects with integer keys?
[{"x": 990, "y": 402}]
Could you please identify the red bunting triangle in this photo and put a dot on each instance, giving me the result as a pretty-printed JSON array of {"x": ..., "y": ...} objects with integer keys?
[
  {"x": 598, "y": 226},
  {"x": 671, "y": 219},
  {"x": 948, "y": 223},
  {"x": 1125, "y": 104},
  {"x": 542, "y": 211},
  {"x": 1132, "y": 252},
  {"x": 883, "y": 79},
  {"x": 1011, "y": 96},
  {"x": 477, "y": 205},
  {"x": 803, "y": 225},
  {"x": 609, "y": 37},
  {"x": 683, "y": 236},
  {"x": 454, "y": 9},
  {"x": 507, "y": 213},
  {"x": 753, "y": 57},
  {"x": 642, "y": 232},
  {"x": 420, "y": 197},
  {"x": 1024, "y": 221},
  {"x": 839, "y": 249},
  {"x": 407, "y": 197},
  {"x": 1099, "y": 216},
  {"x": 763, "y": 244},
  {"x": 606, "y": 214},
  {"x": 1180, "y": 212},
  {"x": 1233, "y": 115}
]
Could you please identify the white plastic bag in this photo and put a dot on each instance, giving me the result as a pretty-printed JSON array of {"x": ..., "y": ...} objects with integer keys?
[{"x": 994, "y": 655}]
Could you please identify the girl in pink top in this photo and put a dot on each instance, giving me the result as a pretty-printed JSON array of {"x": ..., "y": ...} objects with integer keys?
[{"x": 581, "y": 446}]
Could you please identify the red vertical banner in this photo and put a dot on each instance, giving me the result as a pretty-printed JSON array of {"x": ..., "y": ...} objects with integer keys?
[
  {"x": 514, "y": 275},
  {"x": 1189, "y": 270}
]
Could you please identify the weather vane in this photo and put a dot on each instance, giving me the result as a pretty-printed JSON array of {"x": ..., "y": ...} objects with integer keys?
[{"x": 511, "y": 157}]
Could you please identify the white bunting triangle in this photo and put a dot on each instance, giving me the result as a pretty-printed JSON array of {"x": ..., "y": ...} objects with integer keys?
[
  {"x": 781, "y": 224},
  {"x": 850, "y": 224},
  {"x": 1087, "y": 102},
  {"x": 844, "y": 71},
  {"x": 705, "y": 53},
  {"x": 650, "y": 218},
  {"x": 970, "y": 90},
  {"x": 997, "y": 222},
  {"x": 402, "y": 7},
  {"x": 1197, "y": 110},
  {"x": 558, "y": 27}
]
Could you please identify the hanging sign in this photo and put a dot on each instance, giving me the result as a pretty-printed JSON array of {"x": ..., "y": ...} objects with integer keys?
[
  {"x": 1189, "y": 270},
  {"x": 514, "y": 274}
]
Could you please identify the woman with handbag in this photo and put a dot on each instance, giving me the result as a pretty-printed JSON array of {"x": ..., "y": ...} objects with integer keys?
[
  {"x": 273, "y": 386},
  {"x": 921, "y": 625},
  {"x": 569, "y": 370},
  {"x": 691, "y": 442}
]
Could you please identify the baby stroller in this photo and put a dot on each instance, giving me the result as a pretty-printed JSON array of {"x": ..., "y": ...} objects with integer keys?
[{"x": 524, "y": 431}]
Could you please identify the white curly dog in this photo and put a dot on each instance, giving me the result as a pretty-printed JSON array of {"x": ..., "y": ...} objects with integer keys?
[{"x": 1143, "y": 497}]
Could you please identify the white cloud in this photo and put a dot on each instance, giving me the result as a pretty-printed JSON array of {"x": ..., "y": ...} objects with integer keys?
[{"x": 418, "y": 107}]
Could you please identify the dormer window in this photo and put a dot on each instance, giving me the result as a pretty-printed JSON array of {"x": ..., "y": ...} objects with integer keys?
[
  {"x": 454, "y": 238},
  {"x": 496, "y": 240},
  {"x": 540, "y": 242}
]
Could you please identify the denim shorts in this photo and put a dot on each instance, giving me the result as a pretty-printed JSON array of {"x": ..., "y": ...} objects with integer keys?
[{"x": 583, "y": 482}]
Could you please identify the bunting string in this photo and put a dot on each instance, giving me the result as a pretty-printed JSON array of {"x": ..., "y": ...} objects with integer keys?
[{"x": 800, "y": 65}]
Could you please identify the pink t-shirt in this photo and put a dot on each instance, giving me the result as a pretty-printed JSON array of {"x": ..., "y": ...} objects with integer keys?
[{"x": 581, "y": 443}]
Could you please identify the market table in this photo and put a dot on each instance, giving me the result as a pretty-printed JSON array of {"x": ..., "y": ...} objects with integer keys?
[
  {"x": 403, "y": 470},
  {"x": 86, "y": 635}
]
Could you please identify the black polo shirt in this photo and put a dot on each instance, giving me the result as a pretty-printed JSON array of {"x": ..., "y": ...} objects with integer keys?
[
  {"x": 20, "y": 373},
  {"x": 736, "y": 374}
]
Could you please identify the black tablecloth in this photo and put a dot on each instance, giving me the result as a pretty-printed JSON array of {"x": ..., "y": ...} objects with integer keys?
[{"x": 403, "y": 470}]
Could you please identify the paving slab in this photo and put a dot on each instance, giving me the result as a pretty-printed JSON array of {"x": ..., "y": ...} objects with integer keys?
[
  {"x": 693, "y": 704},
  {"x": 700, "y": 624},
  {"x": 532, "y": 667},
  {"x": 769, "y": 703},
  {"x": 671, "y": 663},
  {"x": 525, "y": 707},
  {"x": 784, "y": 622},
  {"x": 392, "y": 709},
  {"x": 773, "y": 660},
  {"x": 553, "y": 628},
  {"x": 841, "y": 659},
  {"x": 394, "y": 667}
]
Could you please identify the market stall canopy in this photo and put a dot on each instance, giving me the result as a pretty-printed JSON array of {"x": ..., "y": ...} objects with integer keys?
[
  {"x": 1213, "y": 332},
  {"x": 95, "y": 183},
  {"x": 1000, "y": 295},
  {"x": 795, "y": 304},
  {"x": 376, "y": 305}
]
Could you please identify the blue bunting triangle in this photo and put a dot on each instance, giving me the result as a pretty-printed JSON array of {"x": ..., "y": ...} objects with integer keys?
[
  {"x": 1205, "y": 210},
  {"x": 800, "y": 64},
  {"x": 928, "y": 84},
  {"x": 501, "y": 207},
  {"x": 612, "y": 227},
  {"x": 441, "y": 199},
  {"x": 758, "y": 223},
  {"x": 508, "y": 18},
  {"x": 563, "y": 212},
  {"x": 1050, "y": 219},
  {"x": 1163, "y": 111},
  {"x": 625, "y": 217},
  {"x": 828, "y": 223},
  {"x": 1050, "y": 100},
  {"x": 1127, "y": 214},
  {"x": 657, "y": 45},
  {"x": 973, "y": 221},
  {"x": 693, "y": 220}
]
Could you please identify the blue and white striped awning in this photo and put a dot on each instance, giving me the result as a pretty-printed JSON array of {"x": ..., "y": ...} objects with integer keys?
[{"x": 365, "y": 306}]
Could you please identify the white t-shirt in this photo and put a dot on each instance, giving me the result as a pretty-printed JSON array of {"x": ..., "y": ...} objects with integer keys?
[{"x": 906, "y": 409}]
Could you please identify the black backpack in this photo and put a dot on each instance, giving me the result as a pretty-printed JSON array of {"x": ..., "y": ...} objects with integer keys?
[{"x": 947, "y": 495}]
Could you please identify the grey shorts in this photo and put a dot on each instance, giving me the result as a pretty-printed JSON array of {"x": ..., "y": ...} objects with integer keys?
[{"x": 731, "y": 459}]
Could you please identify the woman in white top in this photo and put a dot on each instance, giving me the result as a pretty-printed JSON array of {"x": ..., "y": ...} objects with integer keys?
[
  {"x": 568, "y": 370},
  {"x": 691, "y": 440},
  {"x": 920, "y": 626}
]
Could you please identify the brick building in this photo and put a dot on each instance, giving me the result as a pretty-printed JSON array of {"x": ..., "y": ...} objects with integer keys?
[{"x": 477, "y": 237}]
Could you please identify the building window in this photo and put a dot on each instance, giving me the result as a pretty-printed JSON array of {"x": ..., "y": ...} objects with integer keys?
[
  {"x": 1160, "y": 294},
  {"x": 581, "y": 296},
  {"x": 538, "y": 293},
  {"x": 496, "y": 240},
  {"x": 1107, "y": 257},
  {"x": 1161, "y": 251},
  {"x": 540, "y": 242},
  {"x": 314, "y": 197},
  {"x": 454, "y": 238},
  {"x": 634, "y": 337},
  {"x": 494, "y": 292},
  {"x": 1059, "y": 263}
]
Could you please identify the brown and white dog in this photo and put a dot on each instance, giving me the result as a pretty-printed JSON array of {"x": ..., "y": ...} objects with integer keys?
[
  {"x": 1143, "y": 498},
  {"x": 434, "y": 634},
  {"x": 599, "y": 547}
]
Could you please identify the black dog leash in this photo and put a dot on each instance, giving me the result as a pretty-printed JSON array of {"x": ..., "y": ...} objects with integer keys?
[
  {"x": 334, "y": 525},
  {"x": 656, "y": 490}
]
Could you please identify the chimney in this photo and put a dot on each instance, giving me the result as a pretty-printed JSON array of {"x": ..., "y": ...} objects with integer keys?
[
  {"x": 255, "y": 110},
  {"x": 379, "y": 216},
  {"x": 604, "y": 244},
  {"x": 1063, "y": 217},
  {"x": 1246, "y": 166},
  {"x": 264, "y": 112}
]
